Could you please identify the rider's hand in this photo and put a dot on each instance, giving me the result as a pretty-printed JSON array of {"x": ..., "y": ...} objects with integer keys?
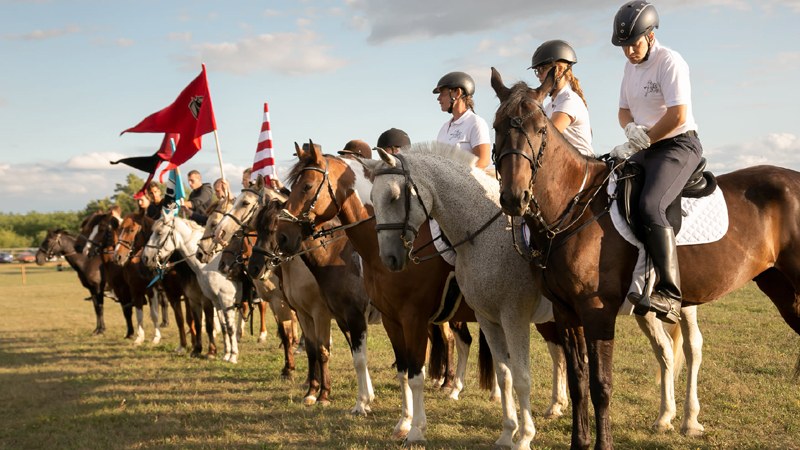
[
  {"x": 623, "y": 151},
  {"x": 637, "y": 136}
]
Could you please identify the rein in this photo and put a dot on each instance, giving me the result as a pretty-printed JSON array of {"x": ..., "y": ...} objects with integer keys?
[{"x": 411, "y": 186}]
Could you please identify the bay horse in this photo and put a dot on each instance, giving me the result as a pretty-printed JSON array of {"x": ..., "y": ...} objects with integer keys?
[
  {"x": 133, "y": 235},
  {"x": 324, "y": 187},
  {"x": 588, "y": 265},
  {"x": 61, "y": 242},
  {"x": 233, "y": 263},
  {"x": 337, "y": 270}
]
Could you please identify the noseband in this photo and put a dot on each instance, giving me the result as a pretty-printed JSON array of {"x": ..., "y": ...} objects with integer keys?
[
  {"x": 249, "y": 214},
  {"x": 160, "y": 245},
  {"x": 410, "y": 187}
]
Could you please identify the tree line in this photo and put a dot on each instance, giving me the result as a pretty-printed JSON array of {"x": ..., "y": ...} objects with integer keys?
[{"x": 30, "y": 229}]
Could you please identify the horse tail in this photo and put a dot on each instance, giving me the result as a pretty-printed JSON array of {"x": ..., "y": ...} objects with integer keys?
[
  {"x": 797, "y": 369},
  {"x": 437, "y": 361},
  {"x": 485, "y": 363}
]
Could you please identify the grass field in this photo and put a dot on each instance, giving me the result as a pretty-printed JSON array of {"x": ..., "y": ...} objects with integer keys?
[{"x": 61, "y": 388}]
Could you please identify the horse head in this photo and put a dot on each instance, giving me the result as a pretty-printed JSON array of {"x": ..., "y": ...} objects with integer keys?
[
  {"x": 314, "y": 197},
  {"x": 208, "y": 246},
  {"x": 521, "y": 133},
  {"x": 169, "y": 234},
  {"x": 399, "y": 207},
  {"x": 53, "y": 244},
  {"x": 133, "y": 233},
  {"x": 263, "y": 255},
  {"x": 236, "y": 218}
]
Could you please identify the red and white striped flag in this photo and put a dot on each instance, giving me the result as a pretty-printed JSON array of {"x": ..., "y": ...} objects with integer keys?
[{"x": 264, "y": 163}]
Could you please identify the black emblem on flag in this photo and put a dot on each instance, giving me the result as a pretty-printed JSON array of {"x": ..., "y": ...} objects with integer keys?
[{"x": 195, "y": 104}]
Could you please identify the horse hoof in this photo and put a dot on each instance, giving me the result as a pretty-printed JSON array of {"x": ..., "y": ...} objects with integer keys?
[
  {"x": 400, "y": 433},
  {"x": 421, "y": 443},
  {"x": 234, "y": 359},
  {"x": 310, "y": 400},
  {"x": 156, "y": 341},
  {"x": 180, "y": 350},
  {"x": 693, "y": 432},
  {"x": 262, "y": 338},
  {"x": 211, "y": 356},
  {"x": 553, "y": 413},
  {"x": 164, "y": 324},
  {"x": 324, "y": 403},
  {"x": 663, "y": 427},
  {"x": 359, "y": 411},
  {"x": 287, "y": 375}
]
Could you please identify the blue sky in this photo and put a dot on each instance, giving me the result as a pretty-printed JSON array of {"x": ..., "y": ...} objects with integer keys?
[{"x": 76, "y": 73}]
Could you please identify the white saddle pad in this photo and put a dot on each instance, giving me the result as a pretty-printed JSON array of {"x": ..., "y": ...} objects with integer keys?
[{"x": 448, "y": 254}]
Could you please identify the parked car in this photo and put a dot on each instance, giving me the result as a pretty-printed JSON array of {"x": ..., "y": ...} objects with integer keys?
[
  {"x": 6, "y": 258},
  {"x": 26, "y": 257}
]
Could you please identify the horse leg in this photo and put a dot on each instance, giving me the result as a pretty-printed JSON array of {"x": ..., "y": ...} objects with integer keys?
[
  {"x": 227, "y": 332},
  {"x": 416, "y": 343},
  {"x": 693, "y": 349},
  {"x": 177, "y": 310},
  {"x": 231, "y": 318},
  {"x": 357, "y": 329},
  {"x": 599, "y": 329},
  {"x": 662, "y": 349},
  {"x": 155, "y": 304},
  {"x": 496, "y": 339},
  {"x": 463, "y": 340},
  {"x": 211, "y": 328},
  {"x": 445, "y": 381},
  {"x": 558, "y": 400},
  {"x": 307, "y": 323},
  {"x": 97, "y": 303},
  {"x": 262, "y": 310},
  {"x": 286, "y": 334},
  {"x": 163, "y": 302},
  {"x": 127, "y": 312},
  {"x": 139, "y": 326},
  {"x": 571, "y": 336},
  {"x": 395, "y": 332}
]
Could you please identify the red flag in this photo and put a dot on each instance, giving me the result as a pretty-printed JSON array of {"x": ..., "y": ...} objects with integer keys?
[
  {"x": 191, "y": 115},
  {"x": 264, "y": 162}
]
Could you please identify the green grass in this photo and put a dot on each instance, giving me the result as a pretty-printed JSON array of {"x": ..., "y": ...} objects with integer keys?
[{"x": 62, "y": 388}]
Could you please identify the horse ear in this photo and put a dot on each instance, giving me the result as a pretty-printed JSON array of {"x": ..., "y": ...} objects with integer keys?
[
  {"x": 315, "y": 151},
  {"x": 299, "y": 151},
  {"x": 387, "y": 158},
  {"x": 370, "y": 166},
  {"x": 547, "y": 85},
  {"x": 499, "y": 88},
  {"x": 260, "y": 182}
]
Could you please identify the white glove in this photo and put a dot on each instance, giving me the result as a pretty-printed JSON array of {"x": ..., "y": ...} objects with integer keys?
[
  {"x": 623, "y": 151},
  {"x": 637, "y": 136}
]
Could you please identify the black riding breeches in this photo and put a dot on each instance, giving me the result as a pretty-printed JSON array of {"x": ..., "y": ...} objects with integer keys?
[{"x": 668, "y": 164}]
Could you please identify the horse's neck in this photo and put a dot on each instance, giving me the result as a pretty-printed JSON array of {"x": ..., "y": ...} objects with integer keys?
[
  {"x": 187, "y": 245},
  {"x": 75, "y": 259}
]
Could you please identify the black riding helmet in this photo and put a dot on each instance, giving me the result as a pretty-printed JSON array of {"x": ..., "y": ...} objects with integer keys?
[
  {"x": 456, "y": 80},
  {"x": 552, "y": 51},
  {"x": 634, "y": 19},
  {"x": 393, "y": 137}
]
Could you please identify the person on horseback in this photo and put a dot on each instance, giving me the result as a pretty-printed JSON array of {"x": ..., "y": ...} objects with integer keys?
[
  {"x": 567, "y": 108},
  {"x": 392, "y": 140},
  {"x": 464, "y": 129},
  {"x": 655, "y": 110},
  {"x": 199, "y": 199}
]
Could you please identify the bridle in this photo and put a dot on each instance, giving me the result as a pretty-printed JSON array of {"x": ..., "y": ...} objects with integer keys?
[
  {"x": 516, "y": 123},
  {"x": 170, "y": 234},
  {"x": 305, "y": 222},
  {"x": 55, "y": 243},
  {"x": 249, "y": 214},
  {"x": 405, "y": 226},
  {"x": 129, "y": 244}
]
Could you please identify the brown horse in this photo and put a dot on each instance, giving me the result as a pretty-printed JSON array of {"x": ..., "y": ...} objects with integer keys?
[
  {"x": 233, "y": 262},
  {"x": 324, "y": 188},
  {"x": 589, "y": 265},
  {"x": 133, "y": 235},
  {"x": 61, "y": 242}
]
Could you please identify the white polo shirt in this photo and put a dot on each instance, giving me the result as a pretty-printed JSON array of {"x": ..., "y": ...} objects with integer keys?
[
  {"x": 469, "y": 131},
  {"x": 579, "y": 132},
  {"x": 649, "y": 88}
]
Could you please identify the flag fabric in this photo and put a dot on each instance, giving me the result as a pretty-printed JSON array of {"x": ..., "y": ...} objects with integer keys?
[
  {"x": 264, "y": 162},
  {"x": 150, "y": 163},
  {"x": 191, "y": 115},
  {"x": 175, "y": 193}
]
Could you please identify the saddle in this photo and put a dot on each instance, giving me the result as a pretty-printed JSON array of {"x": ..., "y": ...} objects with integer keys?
[{"x": 630, "y": 179}]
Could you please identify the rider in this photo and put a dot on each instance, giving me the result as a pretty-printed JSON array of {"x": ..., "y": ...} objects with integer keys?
[
  {"x": 464, "y": 129},
  {"x": 655, "y": 109},
  {"x": 567, "y": 108},
  {"x": 199, "y": 199},
  {"x": 392, "y": 140}
]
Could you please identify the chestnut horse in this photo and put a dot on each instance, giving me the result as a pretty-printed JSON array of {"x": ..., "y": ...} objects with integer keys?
[
  {"x": 133, "y": 234},
  {"x": 324, "y": 187},
  {"x": 563, "y": 198}
]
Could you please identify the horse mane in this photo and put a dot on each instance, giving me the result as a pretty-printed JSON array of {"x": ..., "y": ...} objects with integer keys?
[
  {"x": 444, "y": 150},
  {"x": 519, "y": 94}
]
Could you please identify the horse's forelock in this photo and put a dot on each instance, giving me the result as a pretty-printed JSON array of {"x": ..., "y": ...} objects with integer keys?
[
  {"x": 520, "y": 93},
  {"x": 297, "y": 169}
]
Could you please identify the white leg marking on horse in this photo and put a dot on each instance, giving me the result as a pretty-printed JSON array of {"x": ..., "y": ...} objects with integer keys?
[
  {"x": 419, "y": 423},
  {"x": 406, "y": 414},
  {"x": 462, "y": 349},
  {"x": 365, "y": 394},
  {"x": 693, "y": 350}
]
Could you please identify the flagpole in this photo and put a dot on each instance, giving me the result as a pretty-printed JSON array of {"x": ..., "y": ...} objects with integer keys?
[{"x": 219, "y": 155}]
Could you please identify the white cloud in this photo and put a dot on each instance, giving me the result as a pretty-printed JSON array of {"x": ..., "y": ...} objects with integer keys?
[
  {"x": 286, "y": 53},
  {"x": 185, "y": 36},
  {"x": 38, "y": 35},
  {"x": 94, "y": 161},
  {"x": 779, "y": 149}
]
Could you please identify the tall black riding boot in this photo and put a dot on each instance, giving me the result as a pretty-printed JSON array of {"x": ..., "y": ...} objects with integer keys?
[{"x": 665, "y": 300}]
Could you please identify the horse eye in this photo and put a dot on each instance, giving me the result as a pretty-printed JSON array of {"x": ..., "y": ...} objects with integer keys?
[{"x": 307, "y": 187}]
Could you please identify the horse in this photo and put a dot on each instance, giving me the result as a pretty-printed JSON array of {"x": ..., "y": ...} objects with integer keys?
[
  {"x": 336, "y": 268},
  {"x": 588, "y": 265},
  {"x": 61, "y": 242},
  {"x": 98, "y": 237},
  {"x": 133, "y": 234},
  {"x": 174, "y": 234},
  {"x": 233, "y": 262},
  {"x": 440, "y": 181},
  {"x": 324, "y": 187}
]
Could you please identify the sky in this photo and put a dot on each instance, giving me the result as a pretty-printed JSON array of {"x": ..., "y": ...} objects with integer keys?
[{"x": 76, "y": 73}]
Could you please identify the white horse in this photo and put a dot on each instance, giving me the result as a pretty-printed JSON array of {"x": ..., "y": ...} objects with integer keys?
[
  {"x": 443, "y": 183},
  {"x": 170, "y": 234}
]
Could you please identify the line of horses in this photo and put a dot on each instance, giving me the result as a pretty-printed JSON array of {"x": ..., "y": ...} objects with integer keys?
[{"x": 339, "y": 245}]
